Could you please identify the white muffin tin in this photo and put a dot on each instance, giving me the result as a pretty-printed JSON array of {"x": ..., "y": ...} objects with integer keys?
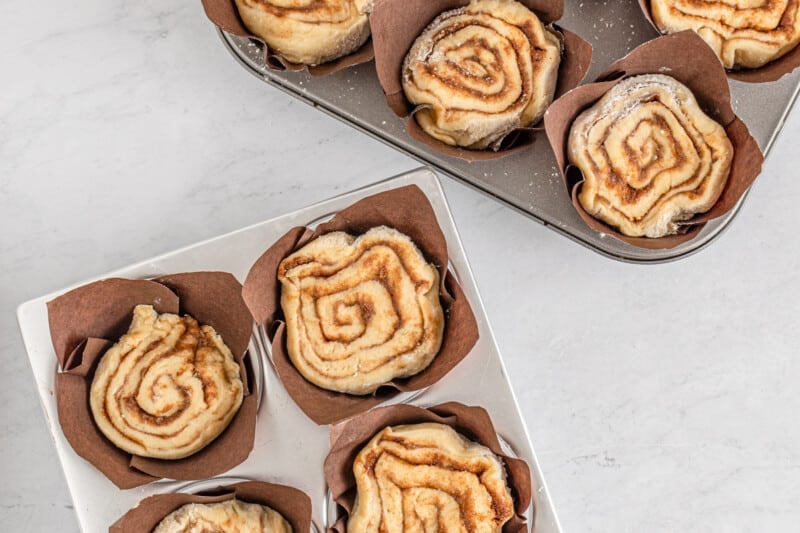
[{"x": 289, "y": 448}]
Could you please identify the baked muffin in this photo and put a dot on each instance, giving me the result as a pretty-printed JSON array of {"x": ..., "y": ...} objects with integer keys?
[
  {"x": 230, "y": 516},
  {"x": 428, "y": 477},
  {"x": 306, "y": 31},
  {"x": 650, "y": 157},
  {"x": 167, "y": 388},
  {"x": 743, "y": 33},
  {"x": 360, "y": 311},
  {"x": 480, "y": 71}
]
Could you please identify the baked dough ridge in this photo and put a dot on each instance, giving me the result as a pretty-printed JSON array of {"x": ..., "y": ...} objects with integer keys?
[
  {"x": 360, "y": 311},
  {"x": 650, "y": 156},
  {"x": 309, "y": 32},
  {"x": 229, "y": 516},
  {"x": 428, "y": 477},
  {"x": 480, "y": 71},
  {"x": 742, "y": 34},
  {"x": 167, "y": 388}
]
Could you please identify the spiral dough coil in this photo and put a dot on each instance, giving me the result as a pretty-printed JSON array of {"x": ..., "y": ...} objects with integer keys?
[
  {"x": 427, "y": 477},
  {"x": 743, "y": 33},
  {"x": 649, "y": 155},
  {"x": 167, "y": 388},
  {"x": 309, "y": 32},
  {"x": 480, "y": 71},
  {"x": 360, "y": 311},
  {"x": 230, "y": 516}
]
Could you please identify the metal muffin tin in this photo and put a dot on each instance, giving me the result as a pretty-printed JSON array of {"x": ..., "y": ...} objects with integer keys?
[
  {"x": 528, "y": 180},
  {"x": 289, "y": 448}
]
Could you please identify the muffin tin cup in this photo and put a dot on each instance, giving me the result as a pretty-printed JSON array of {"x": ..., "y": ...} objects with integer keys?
[
  {"x": 685, "y": 57},
  {"x": 474, "y": 423},
  {"x": 396, "y": 24},
  {"x": 87, "y": 320},
  {"x": 293, "y": 504},
  {"x": 772, "y": 71},
  {"x": 407, "y": 210},
  {"x": 225, "y": 16}
]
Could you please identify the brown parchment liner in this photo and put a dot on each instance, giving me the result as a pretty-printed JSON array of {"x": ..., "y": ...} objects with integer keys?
[
  {"x": 293, "y": 504},
  {"x": 225, "y": 16},
  {"x": 86, "y": 321},
  {"x": 408, "y": 210},
  {"x": 687, "y": 58},
  {"x": 396, "y": 25},
  {"x": 349, "y": 437},
  {"x": 772, "y": 71}
]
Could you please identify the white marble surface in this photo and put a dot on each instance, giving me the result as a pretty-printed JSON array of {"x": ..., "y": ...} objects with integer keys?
[{"x": 658, "y": 399}]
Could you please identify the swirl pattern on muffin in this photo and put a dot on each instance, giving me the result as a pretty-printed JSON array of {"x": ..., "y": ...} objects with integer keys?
[
  {"x": 743, "y": 33},
  {"x": 360, "y": 311},
  {"x": 650, "y": 157},
  {"x": 230, "y": 516},
  {"x": 428, "y": 477},
  {"x": 310, "y": 32},
  {"x": 167, "y": 388},
  {"x": 480, "y": 71}
]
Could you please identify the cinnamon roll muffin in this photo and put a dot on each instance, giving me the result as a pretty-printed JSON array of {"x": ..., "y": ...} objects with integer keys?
[
  {"x": 167, "y": 388},
  {"x": 428, "y": 477},
  {"x": 360, "y": 311},
  {"x": 650, "y": 157},
  {"x": 480, "y": 71},
  {"x": 230, "y": 516},
  {"x": 308, "y": 31},
  {"x": 743, "y": 33}
]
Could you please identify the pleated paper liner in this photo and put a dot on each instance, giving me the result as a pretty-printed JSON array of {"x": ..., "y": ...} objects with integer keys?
[
  {"x": 86, "y": 321},
  {"x": 397, "y": 23},
  {"x": 687, "y": 58},
  {"x": 293, "y": 504},
  {"x": 349, "y": 437},
  {"x": 225, "y": 16},
  {"x": 772, "y": 71},
  {"x": 407, "y": 210}
]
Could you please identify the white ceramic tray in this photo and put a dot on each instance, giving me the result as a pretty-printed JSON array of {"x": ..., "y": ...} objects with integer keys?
[{"x": 289, "y": 448}]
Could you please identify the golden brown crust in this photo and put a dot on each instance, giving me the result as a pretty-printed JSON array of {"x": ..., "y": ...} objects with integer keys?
[
  {"x": 230, "y": 516},
  {"x": 360, "y": 311},
  {"x": 649, "y": 155},
  {"x": 427, "y": 477},
  {"x": 167, "y": 388},
  {"x": 743, "y": 34},
  {"x": 481, "y": 71},
  {"x": 309, "y": 32}
]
